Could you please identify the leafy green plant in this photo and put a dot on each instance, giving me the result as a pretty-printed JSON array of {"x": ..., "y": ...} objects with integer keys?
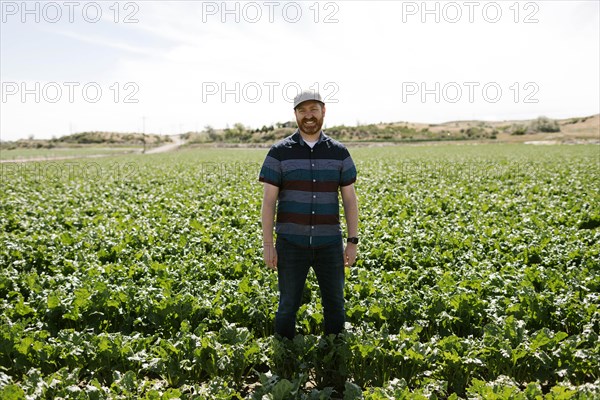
[{"x": 477, "y": 277}]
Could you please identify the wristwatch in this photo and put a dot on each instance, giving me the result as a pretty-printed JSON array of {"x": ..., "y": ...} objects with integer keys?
[{"x": 353, "y": 240}]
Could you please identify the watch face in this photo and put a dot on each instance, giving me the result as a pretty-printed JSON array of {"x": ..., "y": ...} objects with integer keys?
[{"x": 353, "y": 240}]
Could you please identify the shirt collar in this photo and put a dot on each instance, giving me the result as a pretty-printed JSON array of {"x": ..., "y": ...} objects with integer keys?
[{"x": 297, "y": 138}]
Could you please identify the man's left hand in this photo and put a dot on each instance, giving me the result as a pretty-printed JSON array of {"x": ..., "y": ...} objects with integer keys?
[{"x": 350, "y": 254}]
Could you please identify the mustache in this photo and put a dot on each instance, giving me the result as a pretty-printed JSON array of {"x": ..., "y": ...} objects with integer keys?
[{"x": 310, "y": 120}]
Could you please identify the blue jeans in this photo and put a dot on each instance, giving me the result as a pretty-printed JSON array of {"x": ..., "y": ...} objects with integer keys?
[{"x": 293, "y": 263}]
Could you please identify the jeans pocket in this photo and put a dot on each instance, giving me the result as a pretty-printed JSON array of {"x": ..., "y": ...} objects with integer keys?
[{"x": 279, "y": 248}]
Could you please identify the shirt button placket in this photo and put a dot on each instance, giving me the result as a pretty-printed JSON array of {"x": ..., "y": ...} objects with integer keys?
[{"x": 314, "y": 196}]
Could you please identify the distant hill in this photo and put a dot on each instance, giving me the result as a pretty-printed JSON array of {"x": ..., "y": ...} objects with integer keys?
[
  {"x": 568, "y": 130},
  {"x": 539, "y": 130},
  {"x": 88, "y": 139},
  {"x": 581, "y": 129}
]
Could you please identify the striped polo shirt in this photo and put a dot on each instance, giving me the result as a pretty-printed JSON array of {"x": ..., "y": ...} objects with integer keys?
[{"x": 308, "y": 213}]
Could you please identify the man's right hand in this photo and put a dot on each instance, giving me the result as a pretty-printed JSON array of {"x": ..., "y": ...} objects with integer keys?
[{"x": 270, "y": 255}]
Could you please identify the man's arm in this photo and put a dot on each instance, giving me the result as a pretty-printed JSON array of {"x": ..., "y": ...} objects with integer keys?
[
  {"x": 351, "y": 211},
  {"x": 271, "y": 192}
]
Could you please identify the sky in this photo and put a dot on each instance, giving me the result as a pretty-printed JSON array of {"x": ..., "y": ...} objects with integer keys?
[{"x": 169, "y": 67}]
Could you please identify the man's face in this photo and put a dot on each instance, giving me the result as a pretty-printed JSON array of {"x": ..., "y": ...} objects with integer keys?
[{"x": 309, "y": 116}]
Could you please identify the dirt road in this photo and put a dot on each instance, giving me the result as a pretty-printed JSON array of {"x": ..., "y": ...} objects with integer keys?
[{"x": 177, "y": 141}]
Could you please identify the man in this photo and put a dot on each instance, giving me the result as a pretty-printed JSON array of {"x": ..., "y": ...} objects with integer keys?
[{"x": 302, "y": 175}]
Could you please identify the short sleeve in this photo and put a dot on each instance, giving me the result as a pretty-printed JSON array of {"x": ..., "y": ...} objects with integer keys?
[
  {"x": 271, "y": 169},
  {"x": 348, "y": 176}
]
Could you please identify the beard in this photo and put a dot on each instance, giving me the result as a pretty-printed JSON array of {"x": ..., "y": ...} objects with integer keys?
[{"x": 310, "y": 126}]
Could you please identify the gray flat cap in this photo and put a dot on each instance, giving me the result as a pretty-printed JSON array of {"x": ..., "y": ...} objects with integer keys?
[{"x": 307, "y": 95}]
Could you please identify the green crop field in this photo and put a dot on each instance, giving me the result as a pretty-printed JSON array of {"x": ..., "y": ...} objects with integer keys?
[
  {"x": 23, "y": 154},
  {"x": 142, "y": 277}
]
